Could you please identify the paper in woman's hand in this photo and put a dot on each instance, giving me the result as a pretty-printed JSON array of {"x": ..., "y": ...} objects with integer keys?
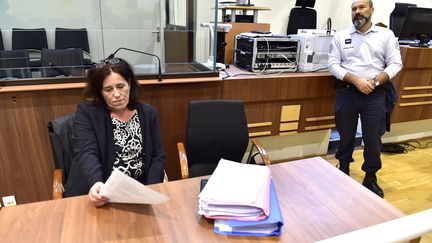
[{"x": 120, "y": 188}]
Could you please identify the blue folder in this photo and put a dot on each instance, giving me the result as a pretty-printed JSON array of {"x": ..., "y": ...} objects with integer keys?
[{"x": 269, "y": 226}]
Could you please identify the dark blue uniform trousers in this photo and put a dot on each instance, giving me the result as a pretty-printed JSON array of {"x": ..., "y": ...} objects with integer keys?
[{"x": 350, "y": 103}]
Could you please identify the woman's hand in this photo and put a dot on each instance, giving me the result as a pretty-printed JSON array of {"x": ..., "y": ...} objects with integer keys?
[{"x": 94, "y": 196}]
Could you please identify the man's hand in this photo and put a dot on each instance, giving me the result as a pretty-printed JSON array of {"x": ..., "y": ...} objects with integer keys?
[
  {"x": 364, "y": 85},
  {"x": 94, "y": 196}
]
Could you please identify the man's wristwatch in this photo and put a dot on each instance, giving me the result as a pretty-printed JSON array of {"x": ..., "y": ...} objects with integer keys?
[{"x": 376, "y": 82}]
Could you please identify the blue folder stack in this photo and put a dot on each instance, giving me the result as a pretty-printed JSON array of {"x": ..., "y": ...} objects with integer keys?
[{"x": 269, "y": 226}]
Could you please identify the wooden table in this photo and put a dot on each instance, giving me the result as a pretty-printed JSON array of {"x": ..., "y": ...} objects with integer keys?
[{"x": 316, "y": 199}]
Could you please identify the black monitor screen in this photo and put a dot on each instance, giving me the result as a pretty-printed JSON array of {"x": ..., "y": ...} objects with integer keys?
[{"x": 417, "y": 26}]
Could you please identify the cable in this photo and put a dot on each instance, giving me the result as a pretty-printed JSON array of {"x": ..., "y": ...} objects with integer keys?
[
  {"x": 227, "y": 75},
  {"x": 406, "y": 146},
  {"x": 267, "y": 56}
]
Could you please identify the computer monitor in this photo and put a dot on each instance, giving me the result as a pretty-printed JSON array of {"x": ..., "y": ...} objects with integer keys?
[{"x": 417, "y": 26}]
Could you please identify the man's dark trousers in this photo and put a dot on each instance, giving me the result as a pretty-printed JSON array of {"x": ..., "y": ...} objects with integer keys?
[{"x": 350, "y": 103}]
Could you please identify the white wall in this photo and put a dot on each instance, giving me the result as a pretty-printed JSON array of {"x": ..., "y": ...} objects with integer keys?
[{"x": 338, "y": 10}]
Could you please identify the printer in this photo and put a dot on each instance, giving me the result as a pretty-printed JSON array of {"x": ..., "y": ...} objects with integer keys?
[{"x": 314, "y": 48}]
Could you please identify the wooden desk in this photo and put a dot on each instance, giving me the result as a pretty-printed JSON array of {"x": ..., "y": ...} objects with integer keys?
[{"x": 316, "y": 199}]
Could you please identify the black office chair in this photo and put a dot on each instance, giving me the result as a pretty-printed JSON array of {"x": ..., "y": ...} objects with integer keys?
[
  {"x": 62, "y": 62},
  {"x": 14, "y": 64},
  {"x": 302, "y": 16},
  {"x": 397, "y": 17},
  {"x": 216, "y": 129},
  {"x": 60, "y": 132},
  {"x": 73, "y": 38},
  {"x": 34, "y": 40}
]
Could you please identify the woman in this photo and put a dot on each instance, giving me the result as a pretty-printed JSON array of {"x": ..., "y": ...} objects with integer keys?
[{"x": 113, "y": 130}]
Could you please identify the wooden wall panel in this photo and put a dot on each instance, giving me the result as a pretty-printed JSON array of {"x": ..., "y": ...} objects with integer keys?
[
  {"x": 317, "y": 109},
  {"x": 26, "y": 162},
  {"x": 416, "y": 57},
  {"x": 26, "y": 159},
  {"x": 415, "y": 78},
  {"x": 264, "y": 89}
]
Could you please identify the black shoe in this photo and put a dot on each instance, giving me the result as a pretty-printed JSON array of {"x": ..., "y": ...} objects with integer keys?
[
  {"x": 370, "y": 182},
  {"x": 344, "y": 167}
]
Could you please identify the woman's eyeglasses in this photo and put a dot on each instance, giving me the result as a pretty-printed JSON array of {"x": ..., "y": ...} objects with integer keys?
[{"x": 103, "y": 62}]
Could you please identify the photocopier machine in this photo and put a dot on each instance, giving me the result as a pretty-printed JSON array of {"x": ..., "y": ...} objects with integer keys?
[{"x": 307, "y": 51}]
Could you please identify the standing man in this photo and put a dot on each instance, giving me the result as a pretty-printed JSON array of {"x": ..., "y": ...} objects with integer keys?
[{"x": 363, "y": 58}]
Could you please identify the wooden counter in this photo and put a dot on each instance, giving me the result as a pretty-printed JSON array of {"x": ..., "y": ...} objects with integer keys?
[
  {"x": 414, "y": 85},
  {"x": 275, "y": 104},
  {"x": 26, "y": 159}
]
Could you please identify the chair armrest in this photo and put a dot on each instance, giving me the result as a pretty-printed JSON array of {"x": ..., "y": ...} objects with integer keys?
[
  {"x": 165, "y": 179},
  {"x": 184, "y": 169},
  {"x": 261, "y": 150},
  {"x": 57, "y": 184}
]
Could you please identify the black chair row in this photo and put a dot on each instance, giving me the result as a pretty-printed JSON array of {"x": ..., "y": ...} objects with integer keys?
[
  {"x": 35, "y": 40},
  {"x": 54, "y": 62}
]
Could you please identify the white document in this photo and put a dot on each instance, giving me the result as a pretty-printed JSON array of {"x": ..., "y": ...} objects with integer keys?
[{"x": 120, "y": 188}]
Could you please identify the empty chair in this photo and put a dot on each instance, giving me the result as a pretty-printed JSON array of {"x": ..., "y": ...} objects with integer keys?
[
  {"x": 302, "y": 16},
  {"x": 60, "y": 132},
  {"x": 59, "y": 62},
  {"x": 34, "y": 40},
  {"x": 73, "y": 38},
  {"x": 397, "y": 17},
  {"x": 14, "y": 64},
  {"x": 216, "y": 129}
]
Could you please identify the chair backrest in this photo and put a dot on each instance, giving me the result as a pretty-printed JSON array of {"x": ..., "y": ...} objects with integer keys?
[
  {"x": 60, "y": 132},
  {"x": 397, "y": 17},
  {"x": 302, "y": 16},
  {"x": 216, "y": 129},
  {"x": 1, "y": 42},
  {"x": 14, "y": 64},
  {"x": 71, "y": 38},
  {"x": 67, "y": 62},
  {"x": 29, "y": 39}
]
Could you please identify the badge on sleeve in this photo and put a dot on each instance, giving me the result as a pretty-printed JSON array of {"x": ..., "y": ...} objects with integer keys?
[{"x": 397, "y": 44}]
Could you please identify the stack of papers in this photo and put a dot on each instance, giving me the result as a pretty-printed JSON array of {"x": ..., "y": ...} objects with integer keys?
[
  {"x": 242, "y": 199},
  {"x": 236, "y": 191},
  {"x": 268, "y": 226}
]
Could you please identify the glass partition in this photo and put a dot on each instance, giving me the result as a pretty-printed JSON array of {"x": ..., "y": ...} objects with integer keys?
[{"x": 41, "y": 39}]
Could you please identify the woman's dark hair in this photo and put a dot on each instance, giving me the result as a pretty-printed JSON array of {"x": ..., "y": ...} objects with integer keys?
[{"x": 97, "y": 74}]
